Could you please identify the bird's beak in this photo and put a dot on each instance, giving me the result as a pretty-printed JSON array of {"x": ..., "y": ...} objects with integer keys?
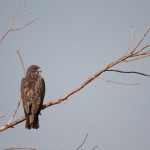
[{"x": 39, "y": 70}]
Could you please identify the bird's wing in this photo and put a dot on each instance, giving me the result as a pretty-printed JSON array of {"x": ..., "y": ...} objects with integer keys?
[
  {"x": 39, "y": 91},
  {"x": 38, "y": 95},
  {"x": 25, "y": 87},
  {"x": 32, "y": 94}
]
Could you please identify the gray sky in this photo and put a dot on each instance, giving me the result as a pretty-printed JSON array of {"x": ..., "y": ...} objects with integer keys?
[{"x": 72, "y": 40}]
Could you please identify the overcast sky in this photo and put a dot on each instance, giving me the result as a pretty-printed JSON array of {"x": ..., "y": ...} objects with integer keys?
[{"x": 71, "y": 40}]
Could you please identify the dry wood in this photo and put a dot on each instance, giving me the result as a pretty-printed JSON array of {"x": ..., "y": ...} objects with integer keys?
[{"x": 133, "y": 54}]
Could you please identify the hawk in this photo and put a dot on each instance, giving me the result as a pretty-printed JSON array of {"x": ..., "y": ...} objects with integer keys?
[{"x": 32, "y": 95}]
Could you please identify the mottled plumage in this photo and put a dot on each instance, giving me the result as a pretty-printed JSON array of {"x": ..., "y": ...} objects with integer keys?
[{"x": 32, "y": 95}]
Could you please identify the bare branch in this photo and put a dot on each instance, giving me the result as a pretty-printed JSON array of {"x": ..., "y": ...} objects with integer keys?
[
  {"x": 21, "y": 60},
  {"x": 134, "y": 72},
  {"x": 87, "y": 132},
  {"x": 17, "y": 12},
  {"x": 142, "y": 49},
  {"x": 145, "y": 34},
  {"x": 131, "y": 41},
  {"x": 143, "y": 53},
  {"x": 110, "y": 81},
  {"x": 6, "y": 33},
  {"x": 95, "y": 147},
  {"x": 12, "y": 117},
  {"x": 25, "y": 25},
  {"x": 90, "y": 79},
  {"x": 83, "y": 141},
  {"x": 3, "y": 116},
  {"x": 12, "y": 124},
  {"x": 16, "y": 17},
  {"x": 137, "y": 58}
]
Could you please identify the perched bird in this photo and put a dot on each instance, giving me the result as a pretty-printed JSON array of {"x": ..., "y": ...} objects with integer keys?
[{"x": 32, "y": 95}]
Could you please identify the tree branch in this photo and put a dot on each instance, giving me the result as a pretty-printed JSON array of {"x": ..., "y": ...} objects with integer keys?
[
  {"x": 131, "y": 41},
  {"x": 25, "y": 25},
  {"x": 110, "y": 81},
  {"x": 87, "y": 134},
  {"x": 145, "y": 34},
  {"x": 134, "y": 72},
  {"x": 22, "y": 63},
  {"x": 132, "y": 54},
  {"x": 3, "y": 116},
  {"x": 23, "y": 67},
  {"x": 12, "y": 117},
  {"x": 95, "y": 147},
  {"x": 16, "y": 17},
  {"x": 83, "y": 141}
]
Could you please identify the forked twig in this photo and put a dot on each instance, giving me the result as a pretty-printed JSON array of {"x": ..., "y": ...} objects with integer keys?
[
  {"x": 25, "y": 25},
  {"x": 145, "y": 34},
  {"x": 16, "y": 17},
  {"x": 17, "y": 12},
  {"x": 137, "y": 58}
]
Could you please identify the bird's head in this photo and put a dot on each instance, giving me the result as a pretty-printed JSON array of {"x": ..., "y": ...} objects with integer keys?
[{"x": 33, "y": 70}]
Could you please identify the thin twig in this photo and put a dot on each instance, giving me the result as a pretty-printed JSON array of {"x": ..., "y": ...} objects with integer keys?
[
  {"x": 21, "y": 60},
  {"x": 120, "y": 83},
  {"x": 143, "y": 53},
  {"x": 137, "y": 58},
  {"x": 24, "y": 16},
  {"x": 12, "y": 117},
  {"x": 25, "y": 25},
  {"x": 87, "y": 132},
  {"x": 145, "y": 34},
  {"x": 130, "y": 72},
  {"x": 141, "y": 50},
  {"x": 16, "y": 17},
  {"x": 5, "y": 34},
  {"x": 95, "y": 147},
  {"x": 83, "y": 141},
  {"x": 131, "y": 41},
  {"x": 17, "y": 12},
  {"x": 12, "y": 30},
  {"x": 3, "y": 116}
]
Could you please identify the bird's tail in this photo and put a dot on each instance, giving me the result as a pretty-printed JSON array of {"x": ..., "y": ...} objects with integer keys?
[{"x": 32, "y": 121}]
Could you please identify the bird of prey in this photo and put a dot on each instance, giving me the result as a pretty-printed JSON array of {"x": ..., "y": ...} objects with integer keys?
[{"x": 32, "y": 95}]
